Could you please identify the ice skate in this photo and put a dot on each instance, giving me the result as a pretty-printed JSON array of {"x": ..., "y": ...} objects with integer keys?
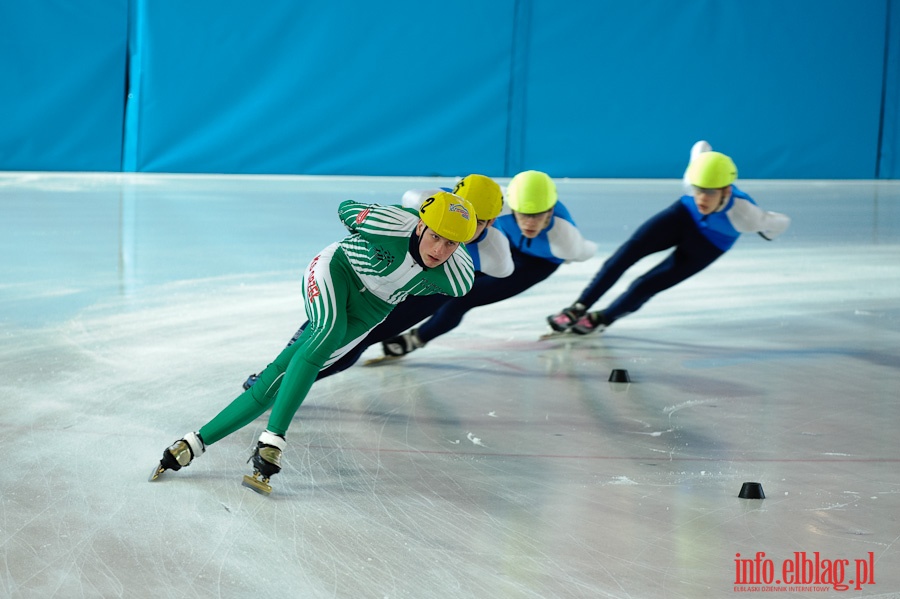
[
  {"x": 266, "y": 460},
  {"x": 179, "y": 454},
  {"x": 250, "y": 380},
  {"x": 563, "y": 321},
  {"x": 552, "y": 335},
  {"x": 399, "y": 346},
  {"x": 592, "y": 322},
  {"x": 379, "y": 360}
]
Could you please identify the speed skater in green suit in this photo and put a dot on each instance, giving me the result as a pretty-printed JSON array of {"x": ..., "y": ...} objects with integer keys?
[{"x": 391, "y": 253}]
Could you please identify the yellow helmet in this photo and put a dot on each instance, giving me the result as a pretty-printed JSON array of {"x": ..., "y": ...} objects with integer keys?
[
  {"x": 483, "y": 192},
  {"x": 450, "y": 216},
  {"x": 531, "y": 192},
  {"x": 712, "y": 170}
]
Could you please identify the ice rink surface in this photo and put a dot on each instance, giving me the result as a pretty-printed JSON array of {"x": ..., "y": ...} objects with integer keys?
[{"x": 488, "y": 464}]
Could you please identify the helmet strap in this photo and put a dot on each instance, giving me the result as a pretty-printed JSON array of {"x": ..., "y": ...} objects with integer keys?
[
  {"x": 725, "y": 197},
  {"x": 415, "y": 242}
]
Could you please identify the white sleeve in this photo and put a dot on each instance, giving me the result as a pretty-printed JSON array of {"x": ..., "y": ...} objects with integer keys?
[
  {"x": 494, "y": 255},
  {"x": 414, "y": 197},
  {"x": 747, "y": 217},
  {"x": 567, "y": 243}
]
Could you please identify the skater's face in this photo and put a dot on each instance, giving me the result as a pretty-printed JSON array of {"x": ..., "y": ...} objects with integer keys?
[
  {"x": 434, "y": 249},
  {"x": 531, "y": 225},
  {"x": 711, "y": 200}
]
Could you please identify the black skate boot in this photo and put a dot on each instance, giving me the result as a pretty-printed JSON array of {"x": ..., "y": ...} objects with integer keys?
[
  {"x": 179, "y": 454},
  {"x": 592, "y": 322},
  {"x": 401, "y": 345},
  {"x": 566, "y": 319},
  {"x": 266, "y": 460},
  {"x": 250, "y": 380}
]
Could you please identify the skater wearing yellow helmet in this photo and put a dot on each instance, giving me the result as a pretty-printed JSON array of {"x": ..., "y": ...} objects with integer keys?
[
  {"x": 490, "y": 256},
  {"x": 488, "y": 248},
  {"x": 541, "y": 235},
  {"x": 391, "y": 253},
  {"x": 701, "y": 226}
]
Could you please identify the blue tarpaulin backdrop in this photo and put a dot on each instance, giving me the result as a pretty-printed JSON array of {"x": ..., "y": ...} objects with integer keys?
[{"x": 599, "y": 88}]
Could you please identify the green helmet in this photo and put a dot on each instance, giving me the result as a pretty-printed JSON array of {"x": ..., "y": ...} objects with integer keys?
[
  {"x": 711, "y": 170},
  {"x": 531, "y": 192},
  {"x": 483, "y": 192},
  {"x": 450, "y": 216}
]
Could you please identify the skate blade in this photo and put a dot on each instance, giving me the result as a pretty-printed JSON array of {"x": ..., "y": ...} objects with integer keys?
[
  {"x": 555, "y": 335},
  {"x": 568, "y": 336},
  {"x": 156, "y": 472},
  {"x": 566, "y": 339},
  {"x": 257, "y": 484},
  {"x": 380, "y": 360}
]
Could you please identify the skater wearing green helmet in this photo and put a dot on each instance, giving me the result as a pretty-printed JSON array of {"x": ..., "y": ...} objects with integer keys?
[
  {"x": 391, "y": 253},
  {"x": 701, "y": 226}
]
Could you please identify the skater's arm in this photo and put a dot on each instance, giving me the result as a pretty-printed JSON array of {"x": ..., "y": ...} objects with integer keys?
[
  {"x": 455, "y": 277},
  {"x": 747, "y": 217},
  {"x": 494, "y": 254},
  {"x": 567, "y": 243},
  {"x": 373, "y": 219},
  {"x": 353, "y": 213}
]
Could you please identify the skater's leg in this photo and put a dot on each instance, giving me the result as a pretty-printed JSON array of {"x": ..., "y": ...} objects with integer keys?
[
  {"x": 345, "y": 362},
  {"x": 325, "y": 334},
  {"x": 689, "y": 258},
  {"x": 262, "y": 395},
  {"x": 339, "y": 317},
  {"x": 252, "y": 403},
  {"x": 342, "y": 364},
  {"x": 243, "y": 410},
  {"x": 301, "y": 373},
  {"x": 251, "y": 380},
  {"x": 406, "y": 314},
  {"x": 660, "y": 232},
  {"x": 487, "y": 290}
]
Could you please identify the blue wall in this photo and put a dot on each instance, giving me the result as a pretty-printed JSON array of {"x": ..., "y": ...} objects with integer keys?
[
  {"x": 800, "y": 89},
  {"x": 62, "y": 84}
]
